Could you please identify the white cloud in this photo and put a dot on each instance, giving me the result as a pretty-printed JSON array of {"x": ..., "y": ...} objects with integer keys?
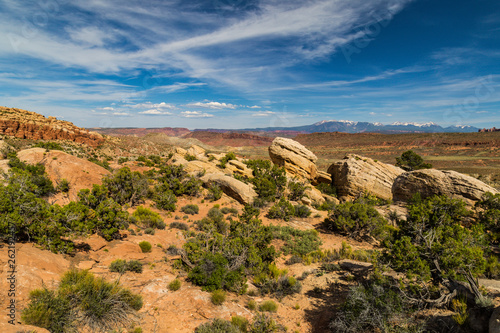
[
  {"x": 254, "y": 107},
  {"x": 121, "y": 114},
  {"x": 195, "y": 114},
  {"x": 155, "y": 112},
  {"x": 263, "y": 114},
  {"x": 108, "y": 108},
  {"x": 212, "y": 105},
  {"x": 150, "y": 105}
]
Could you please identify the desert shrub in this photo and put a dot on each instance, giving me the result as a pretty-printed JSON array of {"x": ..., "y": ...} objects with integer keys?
[
  {"x": 269, "y": 180},
  {"x": 490, "y": 215},
  {"x": 122, "y": 160},
  {"x": 223, "y": 161},
  {"x": 82, "y": 302},
  {"x": 281, "y": 286},
  {"x": 174, "y": 285},
  {"x": 148, "y": 219},
  {"x": 357, "y": 220},
  {"x": 174, "y": 179},
  {"x": 134, "y": 266},
  {"x": 121, "y": 266},
  {"x": 34, "y": 176},
  {"x": 327, "y": 189},
  {"x": 227, "y": 210},
  {"x": 455, "y": 252},
  {"x": 240, "y": 322},
  {"x": 49, "y": 145},
  {"x": 126, "y": 186},
  {"x": 214, "y": 192},
  {"x": 149, "y": 231},
  {"x": 217, "y": 326},
  {"x": 265, "y": 324},
  {"x": 302, "y": 211},
  {"x": 214, "y": 221},
  {"x": 296, "y": 190},
  {"x": 190, "y": 209},
  {"x": 297, "y": 242},
  {"x": 145, "y": 246},
  {"x": 165, "y": 200},
  {"x": 283, "y": 209},
  {"x": 221, "y": 260},
  {"x": 294, "y": 259},
  {"x": 118, "y": 266},
  {"x": 218, "y": 297},
  {"x": 179, "y": 225},
  {"x": 268, "y": 306},
  {"x": 327, "y": 206},
  {"x": 63, "y": 186},
  {"x": 252, "y": 305},
  {"x": 212, "y": 273},
  {"x": 374, "y": 307},
  {"x": 189, "y": 158},
  {"x": 410, "y": 161}
]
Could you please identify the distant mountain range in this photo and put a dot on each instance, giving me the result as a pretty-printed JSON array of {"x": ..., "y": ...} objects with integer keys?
[{"x": 348, "y": 126}]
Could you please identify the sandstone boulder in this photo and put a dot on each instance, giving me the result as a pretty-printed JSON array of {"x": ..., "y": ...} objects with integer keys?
[
  {"x": 78, "y": 172},
  {"x": 197, "y": 152},
  {"x": 315, "y": 195},
  {"x": 297, "y": 159},
  {"x": 232, "y": 187},
  {"x": 195, "y": 167},
  {"x": 238, "y": 167},
  {"x": 429, "y": 182},
  {"x": 4, "y": 148},
  {"x": 356, "y": 174},
  {"x": 323, "y": 177}
]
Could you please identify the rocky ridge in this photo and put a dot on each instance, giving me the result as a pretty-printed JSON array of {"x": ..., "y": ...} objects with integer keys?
[{"x": 30, "y": 125}]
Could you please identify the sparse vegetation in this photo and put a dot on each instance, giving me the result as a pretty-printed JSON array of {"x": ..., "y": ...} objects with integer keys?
[
  {"x": 82, "y": 301},
  {"x": 145, "y": 246},
  {"x": 174, "y": 285},
  {"x": 218, "y": 297},
  {"x": 121, "y": 266},
  {"x": 410, "y": 161},
  {"x": 190, "y": 209}
]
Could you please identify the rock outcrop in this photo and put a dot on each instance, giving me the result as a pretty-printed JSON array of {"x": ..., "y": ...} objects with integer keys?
[
  {"x": 431, "y": 182},
  {"x": 30, "y": 125},
  {"x": 356, "y": 174},
  {"x": 297, "y": 159},
  {"x": 78, "y": 172},
  {"x": 232, "y": 187}
]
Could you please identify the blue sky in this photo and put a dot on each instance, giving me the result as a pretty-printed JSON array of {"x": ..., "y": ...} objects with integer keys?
[{"x": 249, "y": 63}]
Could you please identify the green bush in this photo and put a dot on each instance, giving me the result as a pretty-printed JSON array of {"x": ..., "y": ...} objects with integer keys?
[
  {"x": 357, "y": 220},
  {"x": 174, "y": 285},
  {"x": 148, "y": 219},
  {"x": 49, "y": 145},
  {"x": 327, "y": 189},
  {"x": 217, "y": 326},
  {"x": 269, "y": 180},
  {"x": 145, "y": 246},
  {"x": 214, "y": 192},
  {"x": 190, "y": 209},
  {"x": 374, "y": 308},
  {"x": 302, "y": 211},
  {"x": 165, "y": 200},
  {"x": 296, "y": 190},
  {"x": 252, "y": 305},
  {"x": 227, "y": 210},
  {"x": 281, "y": 210},
  {"x": 174, "y": 179},
  {"x": 63, "y": 186},
  {"x": 268, "y": 306},
  {"x": 82, "y": 301},
  {"x": 240, "y": 322},
  {"x": 489, "y": 216},
  {"x": 298, "y": 242},
  {"x": 121, "y": 266},
  {"x": 127, "y": 187},
  {"x": 179, "y": 225},
  {"x": 327, "y": 206},
  {"x": 189, "y": 158},
  {"x": 218, "y": 297},
  {"x": 410, "y": 161},
  {"x": 223, "y": 161},
  {"x": 149, "y": 231},
  {"x": 282, "y": 286}
]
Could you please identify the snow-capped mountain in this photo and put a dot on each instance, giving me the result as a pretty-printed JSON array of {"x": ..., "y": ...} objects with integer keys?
[{"x": 349, "y": 126}]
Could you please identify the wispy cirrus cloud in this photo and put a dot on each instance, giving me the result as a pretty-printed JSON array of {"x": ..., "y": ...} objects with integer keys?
[{"x": 213, "y": 105}]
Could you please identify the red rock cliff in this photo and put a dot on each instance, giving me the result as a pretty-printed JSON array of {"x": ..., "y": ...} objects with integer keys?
[{"x": 30, "y": 125}]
